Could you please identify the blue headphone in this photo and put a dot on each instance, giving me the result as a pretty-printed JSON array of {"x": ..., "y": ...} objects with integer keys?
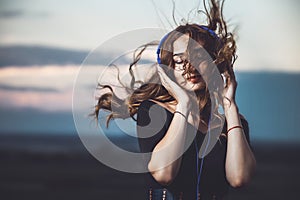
[{"x": 211, "y": 32}]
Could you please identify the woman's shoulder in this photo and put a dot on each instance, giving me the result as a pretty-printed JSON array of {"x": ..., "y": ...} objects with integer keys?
[
  {"x": 146, "y": 103},
  {"x": 146, "y": 106}
]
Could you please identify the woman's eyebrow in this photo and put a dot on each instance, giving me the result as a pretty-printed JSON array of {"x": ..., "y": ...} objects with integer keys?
[{"x": 178, "y": 54}]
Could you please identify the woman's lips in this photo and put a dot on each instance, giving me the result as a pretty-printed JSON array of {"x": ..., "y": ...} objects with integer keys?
[{"x": 195, "y": 78}]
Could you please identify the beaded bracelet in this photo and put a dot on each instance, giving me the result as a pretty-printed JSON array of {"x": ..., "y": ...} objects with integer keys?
[
  {"x": 233, "y": 128},
  {"x": 181, "y": 114}
]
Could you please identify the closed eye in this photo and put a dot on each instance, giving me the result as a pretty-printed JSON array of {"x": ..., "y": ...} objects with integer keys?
[{"x": 178, "y": 62}]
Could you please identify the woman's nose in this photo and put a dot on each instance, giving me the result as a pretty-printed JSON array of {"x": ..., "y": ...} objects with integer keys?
[{"x": 191, "y": 69}]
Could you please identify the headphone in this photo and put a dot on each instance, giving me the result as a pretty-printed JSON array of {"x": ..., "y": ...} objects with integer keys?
[{"x": 211, "y": 32}]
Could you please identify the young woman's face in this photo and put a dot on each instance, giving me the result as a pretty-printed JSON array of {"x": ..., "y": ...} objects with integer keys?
[{"x": 192, "y": 80}]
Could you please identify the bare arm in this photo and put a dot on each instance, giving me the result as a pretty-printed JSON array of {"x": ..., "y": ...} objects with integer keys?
[
  {"x": 166, "y": 156},
  {"x": 240, "y": 162}
]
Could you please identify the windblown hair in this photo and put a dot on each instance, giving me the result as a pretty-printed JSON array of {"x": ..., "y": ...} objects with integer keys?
[{"x": 222, "y": 50}]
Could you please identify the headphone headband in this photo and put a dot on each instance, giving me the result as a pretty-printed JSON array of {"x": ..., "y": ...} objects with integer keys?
[{"x": 211, "y": 32}]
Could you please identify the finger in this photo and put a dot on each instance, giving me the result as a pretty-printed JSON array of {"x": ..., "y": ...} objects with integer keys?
[
  {"x": 226, "y": 77},
  {"x": 160, "y": 70},
  {"x": 163, "y": 75},
  {"x": 224, "y": 80},
  {"x": 231, "y": 73},
  {"x": 171, "y": 86}
]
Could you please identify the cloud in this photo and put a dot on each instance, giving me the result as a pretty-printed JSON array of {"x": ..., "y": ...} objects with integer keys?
[
  {"x": 50, "y": 87},
  {"x": 51, "y": 77},
  {"x": 22, "y": 88},
  {"x": 43, "y": 55},
  {"x": 7, "y": 14},
  {"x": 38, "y": 55},
  {"x": 50, "y": 101},
  {"x": 12, "y": 14},
  {"x": 47, "y": 88}
]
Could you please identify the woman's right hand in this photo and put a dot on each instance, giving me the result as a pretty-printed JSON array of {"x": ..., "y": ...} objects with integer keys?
[{"x": 181, "y": 95}]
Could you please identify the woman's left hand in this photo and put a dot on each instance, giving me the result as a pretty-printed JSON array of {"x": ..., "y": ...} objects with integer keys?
[{"x": 229, "y": 88}]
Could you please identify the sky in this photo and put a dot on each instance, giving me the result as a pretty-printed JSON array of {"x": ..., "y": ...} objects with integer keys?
[
  {"x": 267, "y": 39},
  {"x": 268, "y": 30}
]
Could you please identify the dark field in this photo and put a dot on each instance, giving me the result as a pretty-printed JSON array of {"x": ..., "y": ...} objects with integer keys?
[{"x": 58, "y": 167}]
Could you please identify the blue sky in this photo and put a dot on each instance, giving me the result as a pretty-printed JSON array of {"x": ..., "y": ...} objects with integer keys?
[
  {"x": 268, "y": 38},
  {"x": 268, "y": 41},
  {"x": 268, "y": 30}
]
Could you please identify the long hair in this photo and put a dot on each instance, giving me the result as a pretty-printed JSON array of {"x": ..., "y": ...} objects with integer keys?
[{"x": 221, "y": 49}]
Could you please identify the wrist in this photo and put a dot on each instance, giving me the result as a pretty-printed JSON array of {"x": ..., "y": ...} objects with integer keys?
[
  {"x": 183, "y": 108},
  {"x": 227, "y": 102},
  {"x": 232, "y": 108}
]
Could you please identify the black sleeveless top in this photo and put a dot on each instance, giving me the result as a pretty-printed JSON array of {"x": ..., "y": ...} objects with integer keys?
[{"x": 213, "y": 179}]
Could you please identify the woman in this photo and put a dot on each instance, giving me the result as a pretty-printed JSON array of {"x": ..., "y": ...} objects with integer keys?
[{"x": 176, "y": 170}]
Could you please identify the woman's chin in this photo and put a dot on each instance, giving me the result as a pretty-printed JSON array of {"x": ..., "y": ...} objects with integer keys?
[{"x": 195, "y": 86}]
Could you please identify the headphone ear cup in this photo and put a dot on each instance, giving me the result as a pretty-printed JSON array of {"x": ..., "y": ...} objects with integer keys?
[
  {"x": 159, "y": 48},
  {"x": 158, "y": 57}
]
